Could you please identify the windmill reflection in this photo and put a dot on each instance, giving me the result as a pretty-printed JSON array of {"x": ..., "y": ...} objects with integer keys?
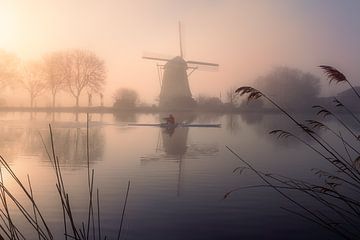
[{"x": 173, "y": 146}]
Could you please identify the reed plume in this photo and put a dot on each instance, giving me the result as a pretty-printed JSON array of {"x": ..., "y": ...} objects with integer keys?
[{"x": 335, "y": 75}]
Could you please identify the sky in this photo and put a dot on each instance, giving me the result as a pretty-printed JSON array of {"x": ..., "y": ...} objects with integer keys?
[{"x": 247, "y": 38}]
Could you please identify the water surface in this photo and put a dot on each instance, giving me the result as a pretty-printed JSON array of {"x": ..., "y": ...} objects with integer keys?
[{"x": 178, "y": 179}]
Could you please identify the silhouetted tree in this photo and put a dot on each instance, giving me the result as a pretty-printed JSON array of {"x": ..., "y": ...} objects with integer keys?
[
  {"x": 101, "y": 99},
  {"x": 84, "y": 70},
  {"x": 33, "y": 80},
  {"x": 9, "y": 66},
  {"x": 291, "y": 88},
  {"x": 55, "y": 73},
  {"x": 126, "y": 98},
  {"x": 209, "y": 103}
]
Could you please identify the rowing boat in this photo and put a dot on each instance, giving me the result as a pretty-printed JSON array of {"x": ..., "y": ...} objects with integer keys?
[{"x": 171, "y": 125}]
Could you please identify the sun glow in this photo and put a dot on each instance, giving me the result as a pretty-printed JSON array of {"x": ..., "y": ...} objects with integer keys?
[{"x": 7, "y": 28}]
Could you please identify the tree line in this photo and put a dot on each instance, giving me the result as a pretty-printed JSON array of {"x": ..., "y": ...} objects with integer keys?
[{"x": 71, "y": 71}]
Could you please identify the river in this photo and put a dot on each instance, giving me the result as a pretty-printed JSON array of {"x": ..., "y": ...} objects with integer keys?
[{"x": 178, "y": 179}]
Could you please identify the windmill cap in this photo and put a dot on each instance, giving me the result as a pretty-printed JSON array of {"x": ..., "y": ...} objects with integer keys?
[{"x": 176, "y": 61}]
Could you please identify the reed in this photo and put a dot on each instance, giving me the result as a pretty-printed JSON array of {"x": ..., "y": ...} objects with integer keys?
[
  {"x": 338, "y": 192},
  {"x": 78, "y": 230}
]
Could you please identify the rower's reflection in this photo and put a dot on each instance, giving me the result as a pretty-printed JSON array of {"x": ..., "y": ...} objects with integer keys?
[
  {"x": 174, "y": 140},
  {"x": 169, "y": 131}
]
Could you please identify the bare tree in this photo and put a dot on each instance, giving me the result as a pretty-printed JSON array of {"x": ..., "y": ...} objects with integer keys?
[
  {"x": 210, "y": 103},
  {"x": 290, "y": 87},
  {"x": 33, "y": 80},
  {"x": 101, "y": 99},
  {"x": 9, "y": 73},
  {"x": 84, "y": 70},
  {"x": 55, "y": 73}
]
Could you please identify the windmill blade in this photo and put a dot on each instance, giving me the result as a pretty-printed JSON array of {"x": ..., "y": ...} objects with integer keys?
[
  {"x": 180, "y": 40},
  {"x": 156, "y": 58},
  {"x": 202, "y": 63},
  {"x": 159, "y": 68},
  {"x": 206, "y": 68}
]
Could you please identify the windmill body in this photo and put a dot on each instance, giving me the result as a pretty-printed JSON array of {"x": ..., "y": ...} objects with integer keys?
[{"x": 175, "y": 90}]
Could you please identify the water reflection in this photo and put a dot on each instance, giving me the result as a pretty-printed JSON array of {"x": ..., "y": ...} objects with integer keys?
[
  {"x": 252, "y": 118},
  {"x": 174, "y": 141},
  {"x": 9, "y": 141},
  {"x": 232, "y": 123},
  {"x": 125, "y": 116},
  {"x": 177, "y": 185},
  {"x": 173, "y": 146},
  {"x": 71, "y": 145},
  {"x": 31, "y": 143},
  {"x": 209, "y": 117},
  {"x": 264, "y": 123}
]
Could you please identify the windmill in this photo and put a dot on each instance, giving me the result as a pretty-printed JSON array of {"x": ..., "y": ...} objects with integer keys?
[{"x": 175, "y": 91}]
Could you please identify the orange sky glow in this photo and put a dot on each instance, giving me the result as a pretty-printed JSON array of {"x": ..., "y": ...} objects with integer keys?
[{"x": 246, "y": 38}]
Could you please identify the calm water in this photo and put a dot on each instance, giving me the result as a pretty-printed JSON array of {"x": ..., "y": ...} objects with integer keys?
[{"x": 178, "y": 179}]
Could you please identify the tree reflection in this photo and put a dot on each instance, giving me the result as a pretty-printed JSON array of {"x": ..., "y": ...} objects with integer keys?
[
  {"x": 11, "y": 138},
  {"x": 31, "y": 142},
  {"x": 208, "y": 117},
  {"x": 268, "y": 122},
  {"x": 232, "y": 123},
  {"x": 125, "y": 116},
  {"x": 252, "y": 118},
  {"x": 71, "y": 145}
]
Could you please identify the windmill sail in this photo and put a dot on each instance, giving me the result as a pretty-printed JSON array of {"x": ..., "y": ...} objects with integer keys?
[
  {"x": 156, "y": 58},
  {"x": 202, "y": 63}
]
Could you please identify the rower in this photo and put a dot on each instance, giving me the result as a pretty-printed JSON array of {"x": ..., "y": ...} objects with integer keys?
[{"x": 170, "y": 119}]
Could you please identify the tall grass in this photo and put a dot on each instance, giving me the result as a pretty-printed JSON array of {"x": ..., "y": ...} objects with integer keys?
[
  {"x": 88, "y": 228},
  {"x": 338, "y": 192}
]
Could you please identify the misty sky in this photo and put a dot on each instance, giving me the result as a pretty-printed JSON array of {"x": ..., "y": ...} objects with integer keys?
[{"x": 246, "y": 37}]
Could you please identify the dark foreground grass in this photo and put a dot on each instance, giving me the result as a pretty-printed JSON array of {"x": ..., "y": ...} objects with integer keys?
[
  {"x": 338, "y": 194},
  {"x": 88, "y": 228}
]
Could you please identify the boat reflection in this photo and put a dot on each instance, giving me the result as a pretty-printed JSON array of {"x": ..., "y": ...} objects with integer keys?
[{"x": 175, "y": 141}]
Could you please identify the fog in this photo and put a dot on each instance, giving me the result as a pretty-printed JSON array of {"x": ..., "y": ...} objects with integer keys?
[{"x": 246, "y": 38}]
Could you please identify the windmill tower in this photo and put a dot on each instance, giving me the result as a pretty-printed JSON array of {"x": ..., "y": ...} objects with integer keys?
[{"x": 175, "y": 90}]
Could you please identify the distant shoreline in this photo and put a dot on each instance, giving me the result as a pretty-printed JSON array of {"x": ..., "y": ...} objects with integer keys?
[
  {"x": 151, "y": 109},
  {"x": 148, "y": 110}
]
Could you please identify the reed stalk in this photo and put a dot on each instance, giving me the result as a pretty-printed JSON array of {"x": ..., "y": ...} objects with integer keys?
[{"x": 84, "y": 230}]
